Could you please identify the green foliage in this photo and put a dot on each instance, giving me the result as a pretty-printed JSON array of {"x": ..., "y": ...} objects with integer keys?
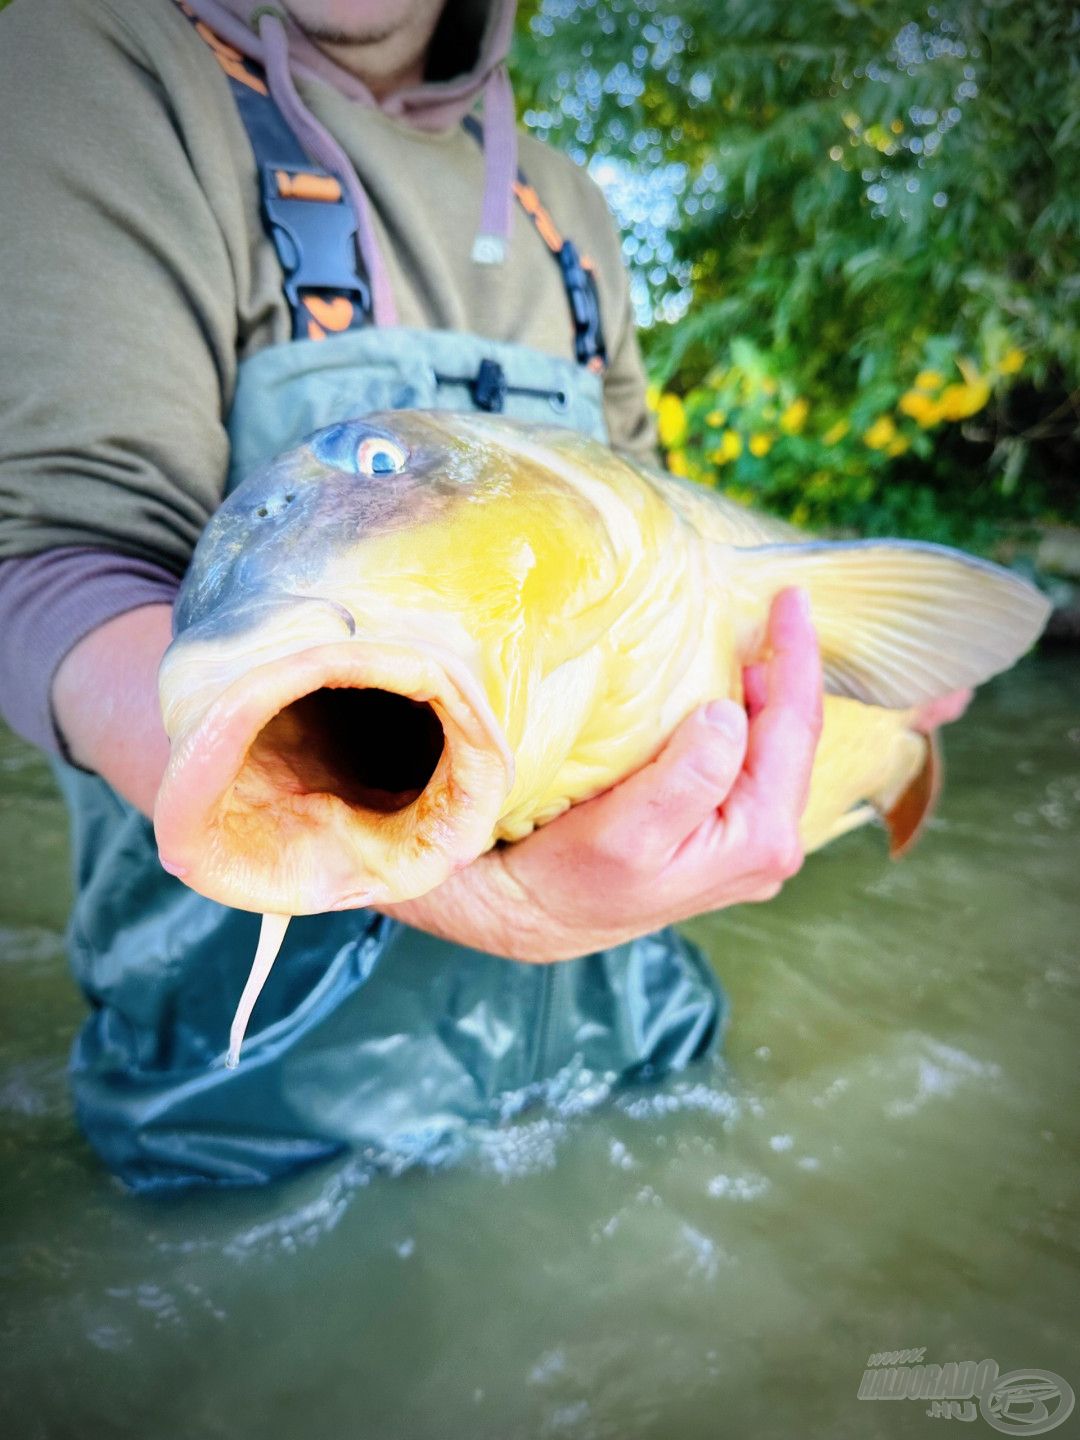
[{"x": 878, "y": 206}]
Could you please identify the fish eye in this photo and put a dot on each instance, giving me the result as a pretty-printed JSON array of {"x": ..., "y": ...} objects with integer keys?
[
  {"x": 372, "y": 455},
  {"x": 377, "y": 456}
]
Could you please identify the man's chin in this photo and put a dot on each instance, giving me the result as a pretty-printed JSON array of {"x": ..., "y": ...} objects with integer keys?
[{"x": 323, "y": 25}]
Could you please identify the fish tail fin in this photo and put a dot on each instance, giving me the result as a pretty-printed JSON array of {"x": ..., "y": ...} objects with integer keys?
[
  {"x": 900, "y": 622},
  {"x": 905, "y": 814}
]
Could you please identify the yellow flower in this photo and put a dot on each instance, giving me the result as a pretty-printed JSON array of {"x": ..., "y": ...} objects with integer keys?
[
  {"x": 716, "y": 418},
  {"x": 652, "y": 397},
  {"x": 957, "y": 402},
  {"x": 835, "y": 433},
  {"x": 760, "y": 445},
  {"x": 899, "y": 445},
  {"x": 897, "y": 127},
  {"x": 881, "y": 433},
  {"x": 919, "y": 406},
  {"x": 676, "y": 463},
  {"x": 1012, "y": 361},
  {"x": 671, "y": 421},
  {"x": 929, "y": 380},
  {"x": 730, "y": 448},
  {"x": 794, "y": 417}
]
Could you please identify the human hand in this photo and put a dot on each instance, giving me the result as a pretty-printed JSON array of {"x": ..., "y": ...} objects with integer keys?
[{"x": 711, "y": 821}]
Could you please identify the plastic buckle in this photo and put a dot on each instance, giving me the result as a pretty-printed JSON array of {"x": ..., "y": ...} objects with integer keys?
[
  {"x": 584, "y": 306},
  {"x": 315, "y": 235},
  {"x": 489, "y": 388}
]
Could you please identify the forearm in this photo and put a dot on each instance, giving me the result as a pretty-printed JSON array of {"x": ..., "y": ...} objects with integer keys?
[
  {"x": 49, "y": 602},
  {"x": 105, "y": 702}
]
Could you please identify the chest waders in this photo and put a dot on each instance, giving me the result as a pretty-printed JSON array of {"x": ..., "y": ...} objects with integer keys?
[{"x": 369, "y": 1037}]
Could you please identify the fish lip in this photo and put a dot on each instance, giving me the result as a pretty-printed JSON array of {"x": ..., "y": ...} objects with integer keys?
[{"x": 477, "y": 765}]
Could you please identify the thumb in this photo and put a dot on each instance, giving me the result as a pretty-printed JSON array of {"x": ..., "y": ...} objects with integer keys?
[{"x": 687, "y": 781}]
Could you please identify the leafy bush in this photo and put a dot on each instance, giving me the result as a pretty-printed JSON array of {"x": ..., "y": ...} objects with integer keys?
[{"x": 871, "y": 264}]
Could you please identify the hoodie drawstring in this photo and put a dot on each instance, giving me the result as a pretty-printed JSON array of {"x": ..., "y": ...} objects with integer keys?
[{"x": 500, "y": 170}]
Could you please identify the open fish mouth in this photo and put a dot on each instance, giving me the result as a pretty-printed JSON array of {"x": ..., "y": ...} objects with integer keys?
[{"x": 346, "y": 774}]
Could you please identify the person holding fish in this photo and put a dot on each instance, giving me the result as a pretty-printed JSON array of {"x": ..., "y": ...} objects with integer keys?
[{"x": 235, "y": 226}]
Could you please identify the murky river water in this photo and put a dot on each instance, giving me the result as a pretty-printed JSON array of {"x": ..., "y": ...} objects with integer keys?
[{"x": 887, "y": 1160}]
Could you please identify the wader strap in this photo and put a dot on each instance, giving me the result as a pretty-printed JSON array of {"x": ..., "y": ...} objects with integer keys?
[
  {"x": 578, "y": 271},
  {"x": 306, "y": 215},
  {"x": 314, "y": 231}
]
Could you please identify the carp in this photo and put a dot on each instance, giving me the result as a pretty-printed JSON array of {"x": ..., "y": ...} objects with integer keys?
[{"x": 419, "y": 634}]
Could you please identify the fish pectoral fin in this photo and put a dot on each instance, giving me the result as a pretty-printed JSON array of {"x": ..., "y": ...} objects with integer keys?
[
  {"x": 907, "y": 813},
  {"x": 900, "y": 622}
]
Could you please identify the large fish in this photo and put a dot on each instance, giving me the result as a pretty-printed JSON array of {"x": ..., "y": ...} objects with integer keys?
[{"x": 417, "y": 634}]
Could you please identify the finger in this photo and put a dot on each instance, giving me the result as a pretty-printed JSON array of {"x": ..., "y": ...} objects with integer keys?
[
  {"x": 682, "y": 787},
  {"x": 783, "y": 735},
  {"x": 755, "y": 687}
]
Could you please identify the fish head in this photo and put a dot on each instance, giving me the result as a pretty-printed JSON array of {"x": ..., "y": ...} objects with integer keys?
[{"x": 332, "y": 740}]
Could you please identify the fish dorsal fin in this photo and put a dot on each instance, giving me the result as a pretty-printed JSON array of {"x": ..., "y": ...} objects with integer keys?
[
  {"x": 719, "y": 518},
  {"x": 900, "y": 622}
]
